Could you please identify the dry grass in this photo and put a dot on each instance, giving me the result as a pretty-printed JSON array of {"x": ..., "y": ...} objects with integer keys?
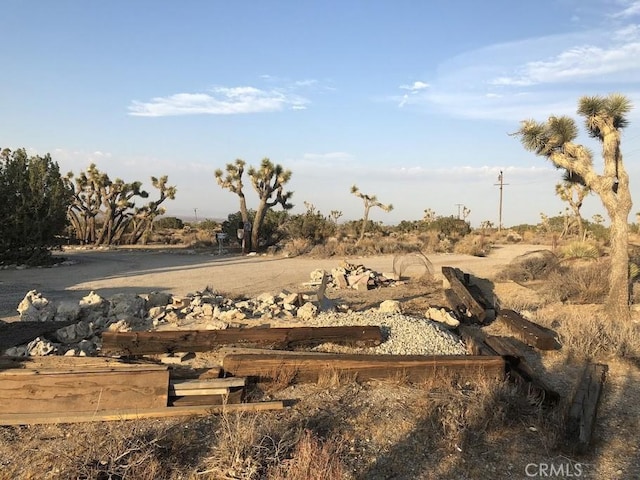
[
  {"x": 312, "y": 459},
  {"x": 591, "y": 336},
  {"x": 585, "y": 281},
  {"x": 476, "y": 245}
]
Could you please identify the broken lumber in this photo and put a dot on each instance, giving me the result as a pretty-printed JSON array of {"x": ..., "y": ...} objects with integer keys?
[
  {"x": 134, "y": 413},
  {"x": 455, "y": 279},
  {"x": 146, "y": 343},
  {"x": 519, "y": 370},
  {"x": 583, "y": 409},
  {"x": 413, "y": 368},
  {"x": 527, "y": 331}
]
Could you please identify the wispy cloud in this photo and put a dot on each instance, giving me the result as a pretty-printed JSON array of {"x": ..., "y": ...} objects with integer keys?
[
  {"x": 412, "y": 89},
  {"x": 632, "y": 9},
  {"x": 538, "y": 76},
  {"x": 219, "y": 101}
]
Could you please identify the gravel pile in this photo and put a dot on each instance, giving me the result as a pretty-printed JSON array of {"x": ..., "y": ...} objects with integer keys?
[{"x": 403, "y": 334}]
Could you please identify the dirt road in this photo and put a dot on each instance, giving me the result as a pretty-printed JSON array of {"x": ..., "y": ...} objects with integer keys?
[{"x": 180, "y": 271}]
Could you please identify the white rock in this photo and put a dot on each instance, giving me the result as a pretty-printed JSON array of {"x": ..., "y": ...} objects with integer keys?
[
  {"x": 266, "y": 298},
  {"x": 39, "y": 347},
  {"x": 307, "y": 311},
  {"x": 35, "y": 308},
  {"x": 390, "y": 306},
  {"x": 316, "y": 275},
  {"x": 441, "y": 315},
  {"x": 92, "y": 300}
]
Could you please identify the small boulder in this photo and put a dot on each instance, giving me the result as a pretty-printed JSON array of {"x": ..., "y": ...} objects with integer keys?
[
  {"x": 442, "y": 315},
  {"x": 307, "y": 311},
  {"x": 390, "y": 306}
]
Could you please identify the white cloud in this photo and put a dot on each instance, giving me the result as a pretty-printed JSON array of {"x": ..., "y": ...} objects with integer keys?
[
  {"x": 412, "y": 89},
  {"x": 219, "y": 101},
  {"x": 632, "y": 10}
]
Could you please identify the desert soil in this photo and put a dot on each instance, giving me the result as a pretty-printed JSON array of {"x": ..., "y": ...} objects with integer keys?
[{"x": 181, "y": 271}]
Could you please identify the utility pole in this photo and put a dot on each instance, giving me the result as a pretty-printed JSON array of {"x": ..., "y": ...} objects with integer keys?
[
  {"x": 458, "y": 205},
  {"x": 501, "y": 184},
  {"x": 195, "y": 212}
]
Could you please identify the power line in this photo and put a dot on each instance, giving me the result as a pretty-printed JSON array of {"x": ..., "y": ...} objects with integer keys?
[{"x": 501, "y": 184}]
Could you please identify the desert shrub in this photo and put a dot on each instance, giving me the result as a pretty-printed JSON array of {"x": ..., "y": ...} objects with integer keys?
[
  {"x": 312, "y": 226},
  {"x": 428, "y": 241},
  {"x": 580, "y": 249},
  {"x": 475, "y": 245},
  {"x": 449, "y": 226},
  {"x": 530, "y": 266},
  {"x": 582, "y": 282},
  {"x": 271, "y": 231},
  {"x": 208, "y": 225},
  {"x": 170, "y": 223},
  {"x": 298, "y": 246},
  {"x": 513, "y": 237},
  {"x": 592, "y": 336},
  {"x": 33, "y": 207}
]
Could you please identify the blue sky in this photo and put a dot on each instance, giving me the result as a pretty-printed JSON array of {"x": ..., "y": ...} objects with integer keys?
[{"x": 409, "y": 100}]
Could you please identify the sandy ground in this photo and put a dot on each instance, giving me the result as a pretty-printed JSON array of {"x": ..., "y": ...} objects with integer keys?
[{"x": 180, "y": 271}]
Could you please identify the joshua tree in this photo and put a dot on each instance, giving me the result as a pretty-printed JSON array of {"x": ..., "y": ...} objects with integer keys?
[
  {"x": 268, "y": 180},
  {"x": 429, "y": 216},
  {"x": 573, "y": 192},
  {"x": 233, "y": 182},
  {"x": 103, "y": 211},
  {"x": 604, "y": 117},
  {"x": 369, "y": 201}
]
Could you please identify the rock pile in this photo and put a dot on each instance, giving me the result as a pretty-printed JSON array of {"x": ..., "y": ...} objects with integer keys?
[
  {"x": 207, "y": 309},
  {"x": 349, "y": 275}
]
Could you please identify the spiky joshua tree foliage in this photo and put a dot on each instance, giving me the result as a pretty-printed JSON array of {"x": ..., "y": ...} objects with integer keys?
[
  {"x": 604, "y": 118},
  {"x": 369, "y": 202},
  {"x": 267, "y": 180}
]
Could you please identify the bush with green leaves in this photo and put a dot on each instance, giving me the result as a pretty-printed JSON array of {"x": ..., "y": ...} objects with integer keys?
[
  {"x": 311, "y": 225},
  {"x": 168, "y": 223},
  {"x": 33, "y": 207},
  {"x": 451, "y": 227}
]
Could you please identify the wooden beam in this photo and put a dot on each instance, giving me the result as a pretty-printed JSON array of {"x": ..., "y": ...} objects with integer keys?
[
  {"x": 145, "y": 343},
  {"x": 50, "y": 391},
  {"x": 210, "y": 383},
  {"x": 413, "y": 368},
  {"x": 474, "y": 339},
  {"x": 520, "y": 370},
  {"x": 134, "y": 414},
  {"x": 583, "y": 409},
  {"x": 453, "y": 278},
  {"x": 527, "y": 331}
]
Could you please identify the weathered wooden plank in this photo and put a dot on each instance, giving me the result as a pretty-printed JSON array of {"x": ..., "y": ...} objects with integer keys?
[
  {"x": 414, "y": 368},
  {"x": 452, "y": 276},
  {"x": 134, "y": 414},
  {"x": 520, "y": 370},
  {"x": 474, "y": 339},
  {"x": 186, "y": 392},
  {"x": 144, "y": 343},
  {"x": 53, "y": 364},
  {"x": 234, "y": 396},
  {"x": 83, "y": 391},
  {"x": 527, "y": 331},
  {"x": 583, "y": 410},
  {"x": 195, "y": 384}
]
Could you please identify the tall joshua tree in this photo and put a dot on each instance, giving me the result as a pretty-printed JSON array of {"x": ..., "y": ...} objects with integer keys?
[
  {"x": 369, "y": 201},
  {"x": 233, "y": 182},
  {"x": 605, "y": 117},
  {"x": 268, "y": 180}
]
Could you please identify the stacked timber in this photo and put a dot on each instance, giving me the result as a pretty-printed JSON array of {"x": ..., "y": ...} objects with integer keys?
[{"x": 68, "y": 390}]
